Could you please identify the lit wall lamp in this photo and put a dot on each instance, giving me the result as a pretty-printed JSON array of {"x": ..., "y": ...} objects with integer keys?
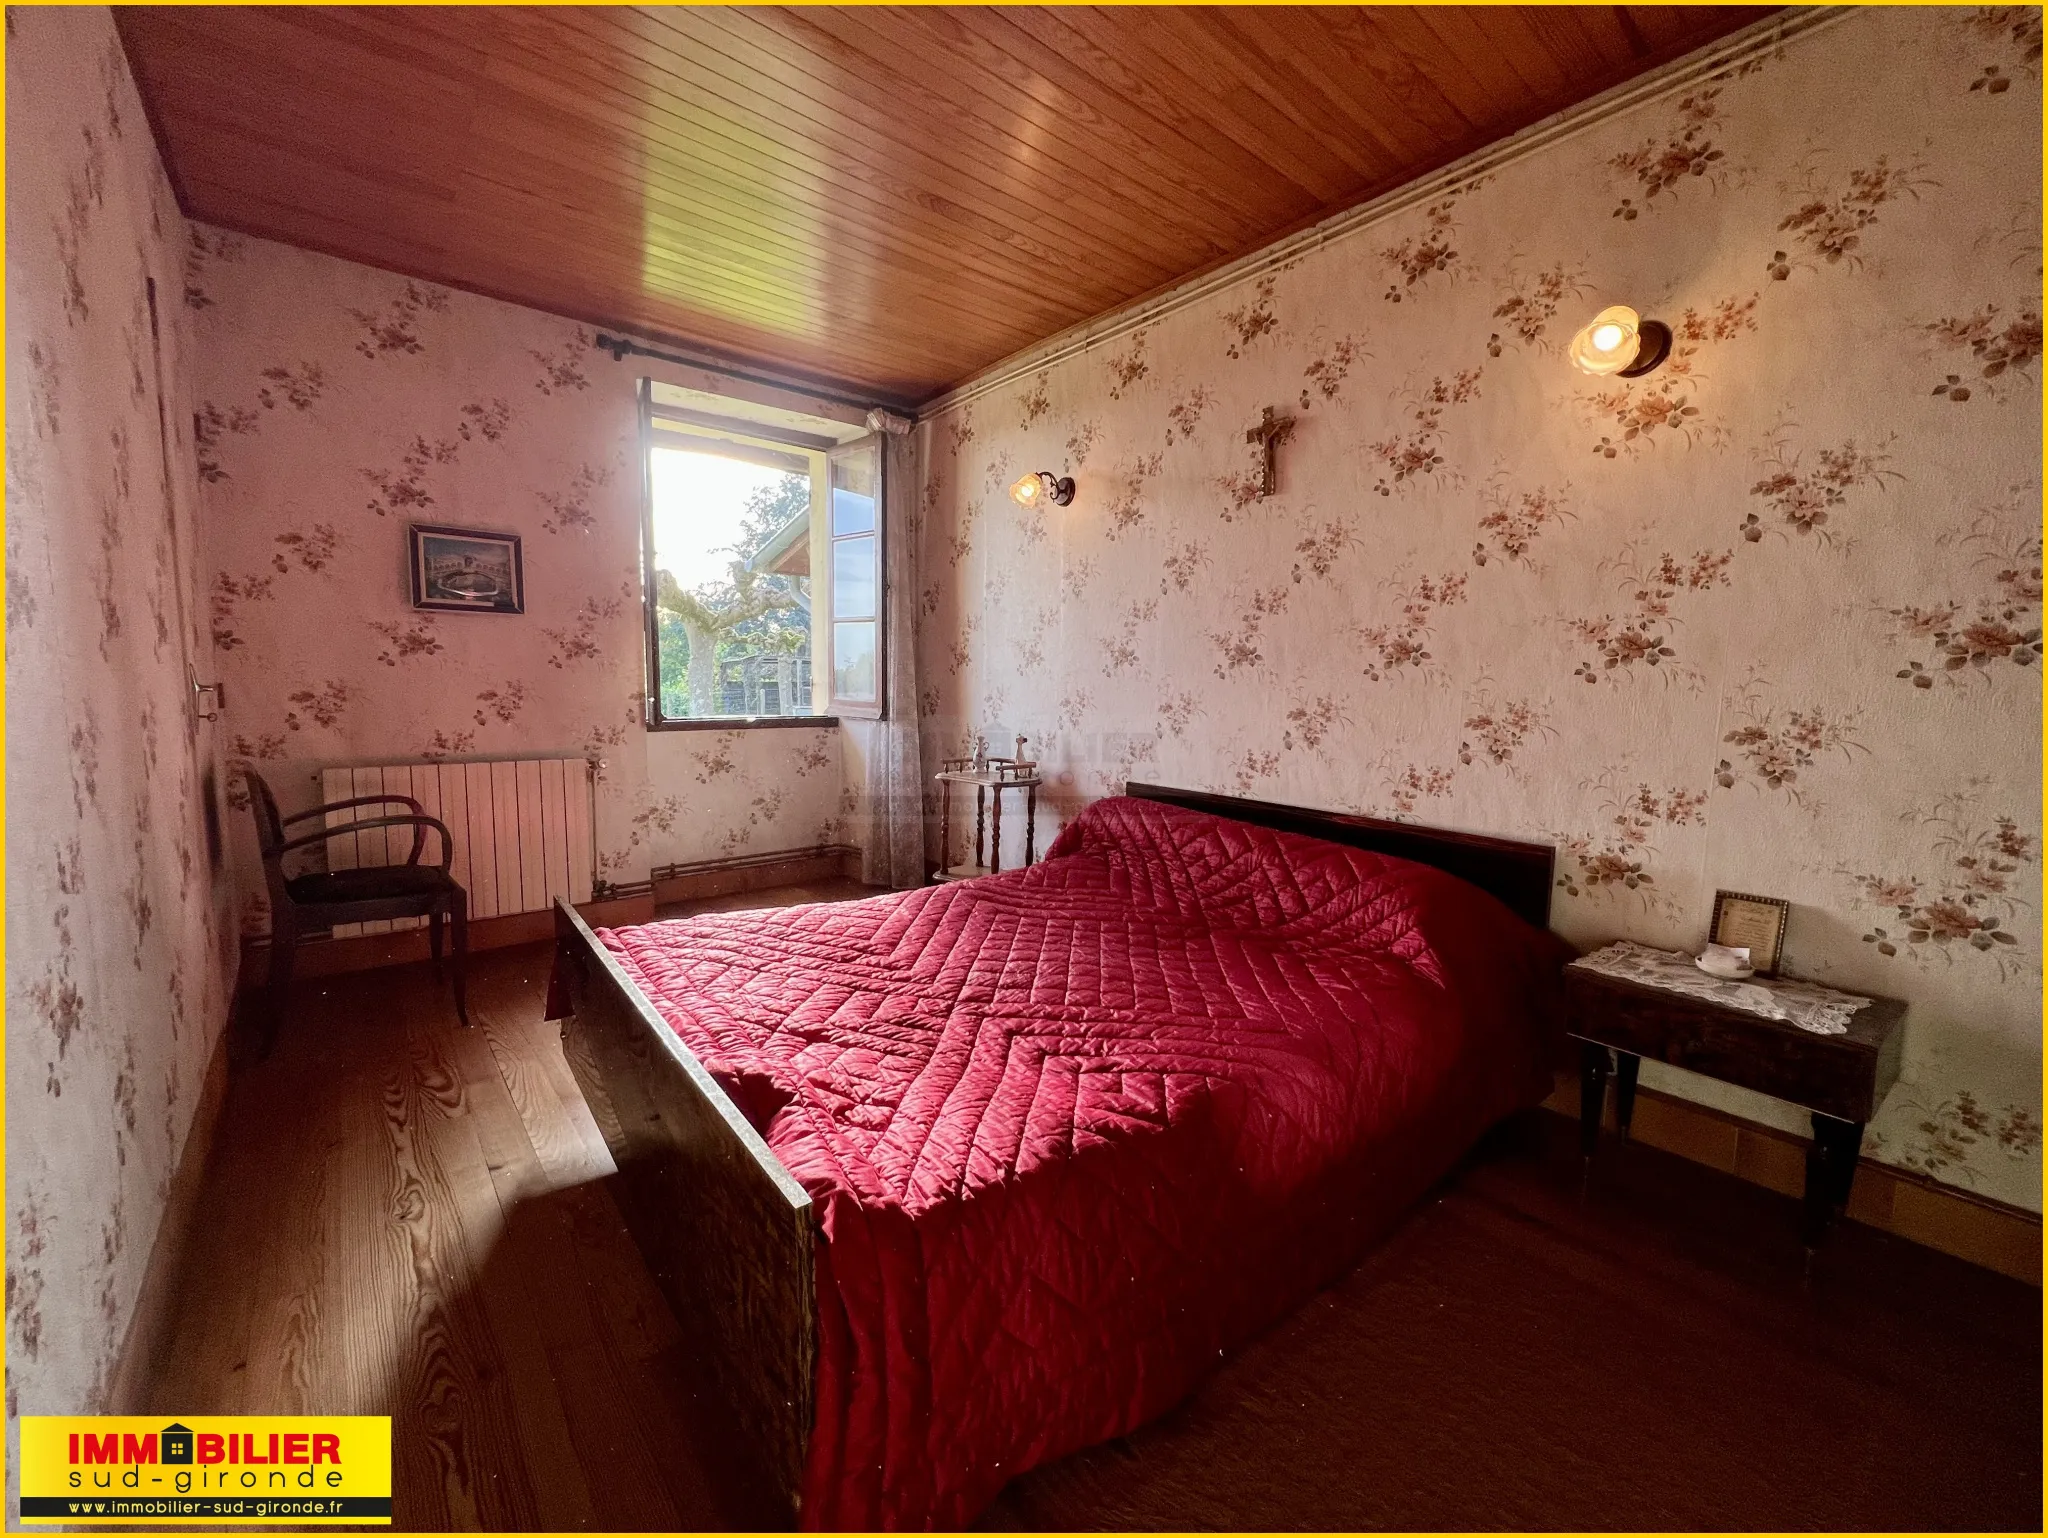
[
  {"x": 1043, "y": 486},
  {"x": 1619, "y": 341}
]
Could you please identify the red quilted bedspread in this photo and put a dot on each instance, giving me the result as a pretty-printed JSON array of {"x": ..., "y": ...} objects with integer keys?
[{"x": 1075, "y": 1131}]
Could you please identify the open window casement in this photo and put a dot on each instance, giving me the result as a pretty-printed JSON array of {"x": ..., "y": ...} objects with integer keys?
[
  {"x": 855, "y": 591},
  {"x": 769, "y": 610},
  {"x": 730, "y": 525}
]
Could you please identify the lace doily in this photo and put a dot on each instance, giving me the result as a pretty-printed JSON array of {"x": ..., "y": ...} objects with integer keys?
[{"x": 1824, "y": 1011}]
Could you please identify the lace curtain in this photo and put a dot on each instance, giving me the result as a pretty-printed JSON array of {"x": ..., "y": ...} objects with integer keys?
[{"x": 893, "y": 851}]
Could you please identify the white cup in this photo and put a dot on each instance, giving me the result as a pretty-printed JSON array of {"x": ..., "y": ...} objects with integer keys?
[{"x": 1727, "y": 960}]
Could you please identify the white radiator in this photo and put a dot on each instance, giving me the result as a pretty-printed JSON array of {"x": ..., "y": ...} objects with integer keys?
[{"x": 523, "y": 829}]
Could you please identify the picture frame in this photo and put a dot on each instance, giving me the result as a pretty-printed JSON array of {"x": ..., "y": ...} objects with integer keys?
[
  {"x": 465, "y": 571},
  {"x": 1743, "y": 918}
]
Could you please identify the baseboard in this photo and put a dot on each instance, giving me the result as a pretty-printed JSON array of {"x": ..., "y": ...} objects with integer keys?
[
  {"x": 363, "y": 953},
  {"x": 144, "y": 1350},
  {"x": 1991, "y": 1234},
  {"x": 755, "y": 872}
]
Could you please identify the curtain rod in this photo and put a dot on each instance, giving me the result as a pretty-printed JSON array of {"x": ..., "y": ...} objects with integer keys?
[{"x": 620, "y": 347}]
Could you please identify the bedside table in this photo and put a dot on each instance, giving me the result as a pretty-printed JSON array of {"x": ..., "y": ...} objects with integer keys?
[
  {"x": 1001, "y": 774},
  {"x": 1840, "y": 1079}
]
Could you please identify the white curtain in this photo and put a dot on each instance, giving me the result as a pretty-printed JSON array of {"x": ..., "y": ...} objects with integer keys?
[{"x": 893, "y": 852}]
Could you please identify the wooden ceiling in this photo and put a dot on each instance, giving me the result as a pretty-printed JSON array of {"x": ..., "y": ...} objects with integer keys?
[{"x": 886, "y": 198}]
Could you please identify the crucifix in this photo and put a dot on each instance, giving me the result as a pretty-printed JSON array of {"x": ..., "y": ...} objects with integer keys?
[{"x": 1271, "y": 432}]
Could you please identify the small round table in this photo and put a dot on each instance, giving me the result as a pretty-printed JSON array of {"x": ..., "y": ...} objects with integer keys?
[{"x": 988, "y": 817}]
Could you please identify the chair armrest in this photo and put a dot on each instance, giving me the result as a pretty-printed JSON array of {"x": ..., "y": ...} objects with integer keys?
[
  {"x": 338, "y": 806},
  {"x": 420, "y": 822}
]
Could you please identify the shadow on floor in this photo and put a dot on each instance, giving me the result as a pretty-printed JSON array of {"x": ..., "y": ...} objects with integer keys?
[
  {"x": 1648, "y": 1354},
  {"x": 637, "y": 1443}
]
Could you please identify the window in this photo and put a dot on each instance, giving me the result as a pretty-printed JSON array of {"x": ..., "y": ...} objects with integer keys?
[
  {"x": 728, "y": 533},
  {"x": 856, "y": 598},
  {"x": 762, "y": 548}
]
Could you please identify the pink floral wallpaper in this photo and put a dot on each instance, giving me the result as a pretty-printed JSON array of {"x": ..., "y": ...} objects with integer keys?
[
  {"x": 338, "y": 403},
  {"x": 120, "y": 941},
  {"x": 1766, "y": 619}
]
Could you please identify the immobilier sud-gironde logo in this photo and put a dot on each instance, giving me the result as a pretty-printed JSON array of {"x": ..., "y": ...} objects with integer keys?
[{"x": 210, "y": 1470}]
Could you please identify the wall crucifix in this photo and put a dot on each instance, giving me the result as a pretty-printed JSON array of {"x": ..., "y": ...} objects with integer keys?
[{"x": 1271, "y": 432}]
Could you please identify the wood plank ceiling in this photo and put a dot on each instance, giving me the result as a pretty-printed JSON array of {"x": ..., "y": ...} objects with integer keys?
[{"x": 886, "y": 198}]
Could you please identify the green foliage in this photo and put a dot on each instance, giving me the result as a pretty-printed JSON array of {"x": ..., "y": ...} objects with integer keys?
[
  {"x": 675, "y": 667},
  {"x": 768, "y": 509}
]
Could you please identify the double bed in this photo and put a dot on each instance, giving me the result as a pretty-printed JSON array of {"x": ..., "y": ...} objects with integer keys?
[{"x": 948, "y": 1183}]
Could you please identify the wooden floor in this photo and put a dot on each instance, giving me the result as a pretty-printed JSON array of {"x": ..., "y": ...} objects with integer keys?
[{"x": 403, "y": 1217}]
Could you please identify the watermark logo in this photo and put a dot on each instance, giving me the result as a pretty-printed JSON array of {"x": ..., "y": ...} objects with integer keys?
[{"x": 215, "y": 1471}]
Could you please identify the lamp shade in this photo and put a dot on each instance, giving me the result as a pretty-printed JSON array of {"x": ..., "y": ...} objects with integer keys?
[
  {"x": 1042, "y": 486},
  {"x": 1609, "y": 342}
]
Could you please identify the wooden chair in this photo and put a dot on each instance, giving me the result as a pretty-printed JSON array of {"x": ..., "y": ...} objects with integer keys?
[{"x": 321, "y": 899}]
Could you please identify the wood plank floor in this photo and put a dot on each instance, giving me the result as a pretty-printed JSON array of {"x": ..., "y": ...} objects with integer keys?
[{"x": 403, "y": 1217}]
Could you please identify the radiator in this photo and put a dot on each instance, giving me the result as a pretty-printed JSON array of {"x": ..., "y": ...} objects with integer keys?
[{"x": 524, "y": 829}]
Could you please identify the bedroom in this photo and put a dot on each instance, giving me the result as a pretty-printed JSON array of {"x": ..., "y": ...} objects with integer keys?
[{"x": 1210, "y": 399}]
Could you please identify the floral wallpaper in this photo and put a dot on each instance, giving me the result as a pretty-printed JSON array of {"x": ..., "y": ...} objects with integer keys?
[
  {"x": 1767, "y": 619},
  {"x": 337, "y": 404},
  {"x": 120, "y": 942}
]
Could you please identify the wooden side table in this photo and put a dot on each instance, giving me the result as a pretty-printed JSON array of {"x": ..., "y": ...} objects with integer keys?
[
  {"x": 989, "y": 785},
  {"x": 1841, "y": 1079}
]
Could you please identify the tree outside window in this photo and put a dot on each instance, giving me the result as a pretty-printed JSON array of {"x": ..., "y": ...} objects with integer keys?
[{"x": 731, "y": 586}]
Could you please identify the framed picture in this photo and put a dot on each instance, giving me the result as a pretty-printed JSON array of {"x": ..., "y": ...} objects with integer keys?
[
  {"x": 469, "y": 571},
  {"x": 1757, "y": 922}
]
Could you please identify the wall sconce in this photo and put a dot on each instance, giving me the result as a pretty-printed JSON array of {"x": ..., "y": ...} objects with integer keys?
[
  {"x": 1619, "y": 341},
  {"x": 1043, "y": 486}
]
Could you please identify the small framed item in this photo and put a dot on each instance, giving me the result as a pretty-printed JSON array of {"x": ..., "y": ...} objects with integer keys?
[
  {"x": 468, "y": 571},
  {"x": 1757, "y": 923}
]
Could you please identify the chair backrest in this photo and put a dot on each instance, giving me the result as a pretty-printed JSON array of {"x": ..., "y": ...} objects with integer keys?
[
  {"x": 269, "y": 839},
  {"x": 269, "y": 825}
]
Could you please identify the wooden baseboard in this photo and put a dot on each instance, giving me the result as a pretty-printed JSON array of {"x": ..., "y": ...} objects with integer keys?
[
  {"x": 143, "y": 1351},
  {"x": 755, "y": 872},
  {"x": 1974, "y": 1228},
  {"x": 363, "y": 953}
]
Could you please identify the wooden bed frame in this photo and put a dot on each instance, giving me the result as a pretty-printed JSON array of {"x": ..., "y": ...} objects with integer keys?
[
  {"x": 1520, "y": 875},
  {"x": 729, "y": 1233}
]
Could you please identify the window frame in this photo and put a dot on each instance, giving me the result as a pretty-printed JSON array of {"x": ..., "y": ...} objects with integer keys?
[
  {"x": 878, "y": 708},
  {"x": 708, "y": 427}
]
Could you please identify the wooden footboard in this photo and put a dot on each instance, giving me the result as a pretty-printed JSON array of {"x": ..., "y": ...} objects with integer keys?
[{"x": 726, "y": 1230}]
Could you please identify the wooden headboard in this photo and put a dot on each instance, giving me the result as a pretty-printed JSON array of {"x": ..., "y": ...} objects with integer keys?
[{"x": 1519, "y": 874}]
